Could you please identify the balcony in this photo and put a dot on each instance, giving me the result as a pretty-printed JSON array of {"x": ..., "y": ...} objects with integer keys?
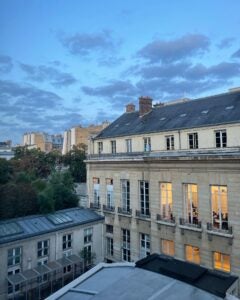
[
  {"x": 124, "y": 212},
  {"x": 145, "y": 216},
  {"x": 95, "y": 205},
  {"x": 108, "y": 208},
  {"x": 225, "y": 231},
  {"x": 196, "y": 225},
  {"x": 165, "y": 221}
]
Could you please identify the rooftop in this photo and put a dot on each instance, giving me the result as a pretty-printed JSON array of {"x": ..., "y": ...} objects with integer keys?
[
  {"x": 208, "y": 111},
  {"x": 25, "y": 227}
]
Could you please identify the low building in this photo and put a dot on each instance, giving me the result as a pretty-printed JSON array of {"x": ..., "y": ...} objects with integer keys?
[
  {"x": 39, "y": 254},
  {"x": 156, "y": 277},
  {"x": 6, "y": 150}
]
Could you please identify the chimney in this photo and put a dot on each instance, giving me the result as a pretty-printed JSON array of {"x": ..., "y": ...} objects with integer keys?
[
  {"x": 130, "y": 108},
  {"x": 145, "y": 105}
]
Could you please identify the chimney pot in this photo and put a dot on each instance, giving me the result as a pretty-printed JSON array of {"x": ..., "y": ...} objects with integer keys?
[
  {"x": 130, "y": 108},
  {"x": 145, "y": 105}
]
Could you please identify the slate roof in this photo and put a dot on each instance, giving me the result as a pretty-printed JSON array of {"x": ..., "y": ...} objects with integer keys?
[
  {"x": 213, "y": 110},
  {"x": 25, "y": 227},
  {"x": 211, "y": 281}
]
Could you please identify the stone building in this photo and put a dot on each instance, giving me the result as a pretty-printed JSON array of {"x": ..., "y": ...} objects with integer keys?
[
  {"x": 39, "y": 254},
  {"x": 167, "y": 179}
]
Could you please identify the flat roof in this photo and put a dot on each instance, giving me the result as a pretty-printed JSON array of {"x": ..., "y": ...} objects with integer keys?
[{"x": 25, "y": 227}]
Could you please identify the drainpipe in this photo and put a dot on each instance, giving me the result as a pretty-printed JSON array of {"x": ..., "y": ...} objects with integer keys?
[{"x": 179, "y": 138}]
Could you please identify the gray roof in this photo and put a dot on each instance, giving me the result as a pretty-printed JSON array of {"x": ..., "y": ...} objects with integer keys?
[
  {"x": 121, "y": 281},
  {"x": 208, "y": 111},
  {"x": 25, "y": 227}
]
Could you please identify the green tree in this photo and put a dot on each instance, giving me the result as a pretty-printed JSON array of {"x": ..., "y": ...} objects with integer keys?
[{"x": 5, "y": 171}]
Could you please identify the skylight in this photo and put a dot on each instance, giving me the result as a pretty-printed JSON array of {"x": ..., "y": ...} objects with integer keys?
[
  {"x": 59, "y": 218},
  {"x": 162, "y": 119},
  {"x": 229, "y": 107},
  {"x": 11, "y": 228},
  {"x": 204, "y": 112},
  {"x": 183, "y": 115}
]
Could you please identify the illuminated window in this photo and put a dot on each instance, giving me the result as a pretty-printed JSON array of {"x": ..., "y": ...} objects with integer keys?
[
  {"x": 96, "y": 193},
  {"x": 191, "y": 203},
  {"x": 170, "y": 142},
  {"x": 192, "y": 254},
  {"x": 193, "y": 140},
  {"x": 144, "y": 245},
  {"x": 168, "y": 247},
  {"x": 219, "y": 206},
  {"x": 110, "y": 201},
  {"x": 166, "y": 200},
  {"x": 147, "y": 144},
  {"x": 144, "y": 197},
  {"x": 221, "y": 261},
  {"x": 125, "y": 194},
  {"x": 221, "y": 138}
]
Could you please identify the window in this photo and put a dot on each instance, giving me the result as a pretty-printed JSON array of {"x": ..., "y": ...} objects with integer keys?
[
  {"x": 168, "y": 247},
  {"x": 129, "y": 145},
  {"x": 221, "y": 138},
  {"x": 170, "y": 142},
  {"x": 221, "y": 261},
  {"x": 88, "y": 232},
  {"x": 166, "y": 200},
  {"x": 67, "y": 241},
  {"x": 126, "y": 253},
  {"x": 191, "y": 203},
  {"x": 109, "y": 246},
  {"x": 88, "y": 255},
  {"x": 43, "y": 248},
  {"x": 144, "y": 245},
  {"x": 193, "y": 140},
  {"x": 125, "y": 194},
  {"x": 96, "y": 193},
  {"x": 147, "y": 144},
  {"x": 100, "y": 147},
  {"x": 10, "y": 286},
  {"x": 192, "y": 254},
  {"x": 110, "y": 200},
  {"x": 113, "y": 147},
  {"x": 14, "y": 256},
  {"x": 109, "y": 229},
  {"x": 67, "y": 269},
  {"x": 219, "y": 206},
  {"x": 144, "y": 198}
]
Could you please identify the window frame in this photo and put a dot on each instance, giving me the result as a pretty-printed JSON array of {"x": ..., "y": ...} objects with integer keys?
[
  {"x": 126, "y": 245},
  {"x": 170, "y": 143},
  {"x": 144, "y": 197},
  {"x": 166, "y": 245},
  {"x": 113, "y": 146},
  {"x": 16, "y": 258},
  {"x": 193, "y": 140},
  {"x": 125, "y": 194},
  {"x": 100, "y": 147},
  {"x": 109, "y": 193},
  {"x": 128, "y": 145},
  {"x": 145, "y": 244},
  {"x": 218, "y": 220},
  {"x": 43, "y": 248},
  {"x": 191, "y": 213},
  {"x": 219, "y": 140},
  {"x": 221, "y": 268},
  {"x": 88, "y": 235},
  {"x": 67, "y": 244},
  {"x": 168, "y": 215},
  {"x": 147, "y": 144},
  {"x": 192, "y": 259},
  {"x": 109, "y": 246}
]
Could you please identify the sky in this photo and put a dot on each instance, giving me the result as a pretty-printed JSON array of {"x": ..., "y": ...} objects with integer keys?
[{"x": 73, "y": 62}]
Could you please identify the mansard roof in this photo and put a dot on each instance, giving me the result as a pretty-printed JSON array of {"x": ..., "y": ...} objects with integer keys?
[{"x": 209, "y": 111}]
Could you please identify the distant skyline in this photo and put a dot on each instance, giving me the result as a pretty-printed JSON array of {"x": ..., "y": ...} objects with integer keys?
[{"x": 64, "y": 63}]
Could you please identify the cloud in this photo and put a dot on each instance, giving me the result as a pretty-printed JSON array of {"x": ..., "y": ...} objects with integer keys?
[
  {"x": 110, "y": 61},
  {"x": 225, "y": 43},
  {"x": 116, "y": 87},
  {"x": 44, "y": 73},
  {"x": 236, "y": 54},
  {"x": 175, "y": 50},
  {"x": 86, "y": 43},
  {"x": 6, "y": 64}
]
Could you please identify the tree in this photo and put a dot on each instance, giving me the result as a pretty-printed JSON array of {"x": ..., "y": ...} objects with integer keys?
[{"x": 5, "y": 171}]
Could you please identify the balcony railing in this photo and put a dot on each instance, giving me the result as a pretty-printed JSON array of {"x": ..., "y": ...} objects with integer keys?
[
  {"x": 196, "y": 224},
  {"x": 226, "y": 230},
  {"x": 146, "y": 215},
  {"x": 94, "y": 205},
  {"x": 124, "y": 211},
  {"x": 170, "y": 220},
  {"x": 108, "y": 208}
]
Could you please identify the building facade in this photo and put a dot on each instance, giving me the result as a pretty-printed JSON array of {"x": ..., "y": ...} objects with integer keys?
[
  {"x": 37, "y": 250},
  {"x": 167, "y": 179}
]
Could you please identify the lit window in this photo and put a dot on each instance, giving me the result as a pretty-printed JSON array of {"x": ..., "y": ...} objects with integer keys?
[
  {"x": 88, "y": 232},
  {"x": 168, "y": 247},
  {"x": 100, "y": 147},
  {"x": 125, "y": 195},
  {"x": 219, "y": 206},
  {"x": 144, "y": 245},
  {"x": 221, "y": 261},
  {"x": 129, "y": 145},
  {"x": 67, "y": 241},
  {"x": 110, "y": 200},
  {"x": 96, "y": 193},
  {"x": 109, "y": 246},
  {"x": 144, "y": 197},
  {"x": 113, "y": 147},
  {"x": 192, "y": 254},
  {"x": 166, "y": 200},
  {"x": 191, "y": 203},
  {"x": 221, "y": 138},
  {"x": 43, "y": 248},
  {"x": 193, "y": 140},
  {"x": 126, "y": 252},
  {"x": 147, "y": 144},
  {"x": 170, "y": 142},
  {"x": 14, "y": 256}
]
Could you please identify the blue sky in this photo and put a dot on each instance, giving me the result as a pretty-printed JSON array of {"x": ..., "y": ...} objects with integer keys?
[{"x": 64, "y": 63}]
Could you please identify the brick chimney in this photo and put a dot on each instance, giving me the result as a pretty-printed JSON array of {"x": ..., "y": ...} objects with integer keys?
[
  {"x": 145, "y": 105},
  {"x": 130, "y": 108}
]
